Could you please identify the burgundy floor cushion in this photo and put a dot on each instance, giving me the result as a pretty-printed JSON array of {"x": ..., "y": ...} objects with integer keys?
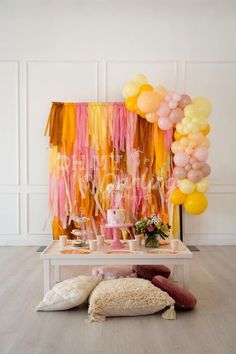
[
  {"x": 150, "y": 271},
  {"x": 183, "y": 298}
]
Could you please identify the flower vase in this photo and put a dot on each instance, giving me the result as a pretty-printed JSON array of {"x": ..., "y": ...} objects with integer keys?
[{"x": 151, "y": 241}]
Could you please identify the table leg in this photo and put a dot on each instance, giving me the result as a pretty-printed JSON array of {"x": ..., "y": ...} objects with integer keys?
[
  {"x": 46, "y": 275},
  {"x": 175, "y": 273},
  {"x": 186, "y": 275},
  {"x": 57, "y": 273}
]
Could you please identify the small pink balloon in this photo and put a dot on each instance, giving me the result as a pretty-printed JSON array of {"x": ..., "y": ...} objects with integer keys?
[
  {"x": 181, "y": 159},
  {"x": 179, "y": 172},
  {"x": 184, "y": 101},
  {"x": 188, "y": 167},
  {"x": 177, "y": 97},
  {"x": 201, "y": 153},
  {"x": 195, "y": 175},
  {"x": 176, "y": 115},
  {"x": 192, "y": 160},
  {"x": 164, "y": 123},
  {"x": 168, "y": 97},
  {"x": 163, "y": 110},
  {"x": 172, "y": 104},
  {"x": 196, "y": 166},
  {"x": 206, "y": 169}
]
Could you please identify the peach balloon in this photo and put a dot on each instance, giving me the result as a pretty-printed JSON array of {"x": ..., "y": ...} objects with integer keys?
[
  {"x": 148, "y": 102},
  {"x": 152, "y": 117},
  {"x": 195, "y": 175},
  {"x": 184, "y": 101},
  {"x": 179, "y": 172},
  {"x": 162, "y": 92}
]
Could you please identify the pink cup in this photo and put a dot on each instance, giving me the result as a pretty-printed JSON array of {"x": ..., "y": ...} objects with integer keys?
[
  {"x": 138, "y": 239},
  {"x": 100, "y": 241},
  {"x": 93, "y": 245},
  {"x": 62, "y": 241},
  {"x": 174, "y": 245},
  {"x": 132, "y": 245}
]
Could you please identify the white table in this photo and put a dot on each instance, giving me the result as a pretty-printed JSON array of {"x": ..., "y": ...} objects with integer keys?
[{"x": 52, "y": 256}]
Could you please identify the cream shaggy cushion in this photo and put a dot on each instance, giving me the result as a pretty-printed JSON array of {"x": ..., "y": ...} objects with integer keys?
[
  {"x": 68, "y": 294},
  {"x": 126, "y": 297}
]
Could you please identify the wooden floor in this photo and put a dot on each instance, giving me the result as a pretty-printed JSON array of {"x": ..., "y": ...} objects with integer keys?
[{"x": 210, "y": 329}]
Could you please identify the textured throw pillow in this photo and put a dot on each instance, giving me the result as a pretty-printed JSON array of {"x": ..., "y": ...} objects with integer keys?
[
  {"x": 68, "y": 294},
  {"x": 183, "y": 298},
  {"x": 113, "y": 272},
  {"x": 150, "y": 271},
  {"x": 126, "y": 297}
]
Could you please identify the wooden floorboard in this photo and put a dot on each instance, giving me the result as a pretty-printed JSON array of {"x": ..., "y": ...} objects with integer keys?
[{"x": 210, "y": 328}]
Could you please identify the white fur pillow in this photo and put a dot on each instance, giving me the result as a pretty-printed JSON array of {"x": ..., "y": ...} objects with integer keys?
[
  {"x": 114, "y": 272},
  {"x": 126, "y": 297},
  {"x": 68, "y": 294}
]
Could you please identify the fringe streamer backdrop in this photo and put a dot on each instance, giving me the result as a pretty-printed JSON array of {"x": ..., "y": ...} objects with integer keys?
[{"x": 96, "y": 145}]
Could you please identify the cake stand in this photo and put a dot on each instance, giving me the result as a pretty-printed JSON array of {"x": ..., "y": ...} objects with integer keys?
[{"x": 116, "y": 244}]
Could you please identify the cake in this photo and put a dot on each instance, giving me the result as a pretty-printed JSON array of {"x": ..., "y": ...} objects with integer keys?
[{"x": 115, "y": 217}]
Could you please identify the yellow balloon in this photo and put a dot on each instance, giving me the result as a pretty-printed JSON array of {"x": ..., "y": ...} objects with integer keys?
[
  {"x": 177, "y": 197},
  {"x": 186, "y": 186},
  {"x": 130, "y": 89},
  {"x": 203, "y": 106},
  {"x": 203, "y": 185},
  {"x": 196, "y": 203},
  {"x": 145, "y": 87},
  {"x": 190, "y": 111},
  {"x": 178, "y": 136},
  {"x": 131, "y": 103},
  {"x": 140, "y": 79},
  {"x": 207, "y": 130}
]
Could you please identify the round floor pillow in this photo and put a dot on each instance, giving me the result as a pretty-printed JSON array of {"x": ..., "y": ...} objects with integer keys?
[
  {"x": 150, "y": 271},
  {"x": 183, "y": 298}
]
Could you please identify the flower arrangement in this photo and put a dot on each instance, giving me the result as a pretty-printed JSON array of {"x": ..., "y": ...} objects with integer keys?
[{"x": 152, "y": 227}]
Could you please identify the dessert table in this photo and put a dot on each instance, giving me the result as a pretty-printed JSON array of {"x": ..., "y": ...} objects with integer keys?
[{"x": 69, "y": 256}]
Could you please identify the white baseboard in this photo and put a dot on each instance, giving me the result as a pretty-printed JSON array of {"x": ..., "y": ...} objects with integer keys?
[
  {"x": 29, "y": 240},
  {"x": 209, "y": 239},
  {"x": 189, "y": 239}
]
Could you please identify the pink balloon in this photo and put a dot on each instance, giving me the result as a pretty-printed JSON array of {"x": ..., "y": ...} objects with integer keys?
[
  {"x": 175, "y": 147},
  {"x": 184, "y": 101},
  {"x": 163, "y": 110},
  {"x": 192, "y": 160},
  {"x": 179, "y": 173},
  {"x": 181, "y": 159},
  {"x": 196, "y": 166},
  {"x": 201, "y": 153},
  {"x": 195, "y": 175},
  {"x": 164, "y": 123},
  {"x": 206, "y": 169},
  {"x": 188, "y": 167},
  {"x": 176, "y": 115},
  {"x": 172, "y": 104}
]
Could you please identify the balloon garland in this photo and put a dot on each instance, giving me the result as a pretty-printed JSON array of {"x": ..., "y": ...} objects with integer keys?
[{"x": 189, "y": 118}]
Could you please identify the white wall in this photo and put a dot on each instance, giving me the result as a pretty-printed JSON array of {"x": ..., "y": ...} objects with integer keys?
[{"x": 86, "y": 50}]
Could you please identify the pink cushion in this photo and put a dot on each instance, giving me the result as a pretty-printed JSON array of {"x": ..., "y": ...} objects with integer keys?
[
  {"x": 183, "y": 298},
  {"x": 150, "y": 271},
  {"x": 113, "y": 272}
]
